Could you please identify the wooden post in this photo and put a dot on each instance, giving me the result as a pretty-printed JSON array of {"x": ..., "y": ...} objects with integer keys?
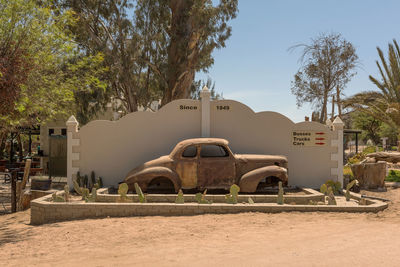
[
  {"x": 14, "y": 191},
  {"x": 21, "y": 185}
]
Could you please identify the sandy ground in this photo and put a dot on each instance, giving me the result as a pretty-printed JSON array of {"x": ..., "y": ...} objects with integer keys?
[{"x": 247, "y": 239}]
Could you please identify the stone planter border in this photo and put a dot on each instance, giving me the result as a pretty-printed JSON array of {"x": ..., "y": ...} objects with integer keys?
[{"x": 44, "y": 211}]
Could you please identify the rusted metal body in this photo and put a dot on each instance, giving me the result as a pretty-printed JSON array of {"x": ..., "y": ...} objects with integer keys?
[{"x": 209, "y": 163}]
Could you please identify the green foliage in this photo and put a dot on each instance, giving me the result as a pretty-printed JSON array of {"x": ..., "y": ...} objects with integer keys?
[
  {"x": 231, "y": 198},
  {"x": 250, "y": 200},
  {"x": 50, "y": 61},
  {"x": 336, "y": 186},
  {"x": 383, "y": 104},
  {"x": 180, "y": 199},
  {"x": 141, "y": 196},
  {"x": 393, "y": 176},
  {"x": 280, "y": 200},
  {"x": 369, "y": 149},
  {"x": 324, "y": 189},
  {"x": 152, "y": 49},
  {"x": 197, "y": 86},
  {"x": 347, "y": 172},
  {"x": 357, "y": 158},
  {"x": 201, "y": 198},
  {"x": 331, "y": 196},
  {"x": 369, "y": 125}
]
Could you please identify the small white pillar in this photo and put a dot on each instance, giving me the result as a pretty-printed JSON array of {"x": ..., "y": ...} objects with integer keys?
[
  {"x": 72, "y": 127},
  {"x": 205, "y": 96},
  {"x": 338, "y": 127}
]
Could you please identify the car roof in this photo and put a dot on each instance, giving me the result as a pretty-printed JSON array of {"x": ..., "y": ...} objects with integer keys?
[{"x": 196, "y": 141}]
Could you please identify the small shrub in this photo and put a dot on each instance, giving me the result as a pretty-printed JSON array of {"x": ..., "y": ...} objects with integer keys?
[
  {"x": 393, "y": 176},
  {"x": 347, "y": 172},
  {"x": 357, "y": 158},
  {"x": 369, "y": 149}
]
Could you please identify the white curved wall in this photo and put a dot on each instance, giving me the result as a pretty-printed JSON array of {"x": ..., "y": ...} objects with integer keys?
[{"x": 113, "y": 148}]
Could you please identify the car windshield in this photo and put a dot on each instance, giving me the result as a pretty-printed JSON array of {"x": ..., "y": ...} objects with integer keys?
[{"x": 212, "y": 151}]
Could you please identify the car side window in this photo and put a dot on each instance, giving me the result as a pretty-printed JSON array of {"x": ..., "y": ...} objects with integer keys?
[
  {"x": 212, "y": 151},
  {"x": 190, "y": 152}
]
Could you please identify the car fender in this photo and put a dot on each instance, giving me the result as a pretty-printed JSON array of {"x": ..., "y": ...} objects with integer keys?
[
  {"x": 144, "y": 177},
  {"x": 249, "y": 181}
]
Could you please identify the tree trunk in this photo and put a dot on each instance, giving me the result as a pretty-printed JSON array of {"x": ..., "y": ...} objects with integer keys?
[
  {"x": 324, "y": 108},
  {"x": 182, "y": 51},
  {"x": 338, "y": 101},
  {"x": 3, "y": 140},
  {"x": 333, "y": 108}
]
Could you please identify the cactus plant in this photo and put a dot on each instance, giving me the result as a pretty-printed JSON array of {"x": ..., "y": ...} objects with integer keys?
[
  {"x": 232, "y": 197},
  {"x": 100, "y": 182},
  {"x": 85, "y": 193},
  {"x": 331, "y": 197},
  {"x": 250, "y": 200},
  {"x": 92, "y": 197},
  {"x": 280, "y": 200},
  {"x": 85, "y": 181},
  {"x": 77, "y": 188},
  {"x": 348, "y": 187},
  {"x": 323, "y": 189},
  {"x": 336, "y": 186},
  {"x": 79, "y": 179},
  {"x": 66, "y": 193},
  {"x": 180, "y": 199},
  {"x": 200, "y": 198},
  {"x": 142, "y": 197},
  {"x": 92, "y": 179},
  {"x": 57, "y": 198}
]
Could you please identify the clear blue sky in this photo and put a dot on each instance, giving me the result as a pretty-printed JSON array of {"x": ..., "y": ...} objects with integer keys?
[{"x": 255, "y": 67}]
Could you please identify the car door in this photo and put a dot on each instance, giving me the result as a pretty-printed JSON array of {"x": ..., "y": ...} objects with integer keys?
[
  {"x": 186, "y": 166},
  {"x": 216, "y": 168}
]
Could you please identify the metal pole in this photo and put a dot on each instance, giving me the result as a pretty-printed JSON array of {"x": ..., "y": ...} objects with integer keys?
[{"x": 356, "y": 143}]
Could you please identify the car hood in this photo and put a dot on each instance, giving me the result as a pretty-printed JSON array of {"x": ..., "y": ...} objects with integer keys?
[
  {"x": 248, "y": 158},
  {"x": 163, "y": 161}
]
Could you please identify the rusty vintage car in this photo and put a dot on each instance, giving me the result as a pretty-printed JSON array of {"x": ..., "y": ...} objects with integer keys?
[{"x": 208, "y": 163}]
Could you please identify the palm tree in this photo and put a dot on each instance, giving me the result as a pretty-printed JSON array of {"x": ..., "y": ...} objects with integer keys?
[{"x": 385, "y": 103}]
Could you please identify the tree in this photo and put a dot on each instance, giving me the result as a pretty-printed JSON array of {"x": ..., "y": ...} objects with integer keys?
[
  {"x": 39, "y": 64},
  {"x": 369, "y": 125},
  {"x": 197, "y": 86},
  {"x": 196, "y": 28},
  {"x": 385, "y": 103},
  {"x": 156, "y": 54},
  {"x": 328, "y": 63}
]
